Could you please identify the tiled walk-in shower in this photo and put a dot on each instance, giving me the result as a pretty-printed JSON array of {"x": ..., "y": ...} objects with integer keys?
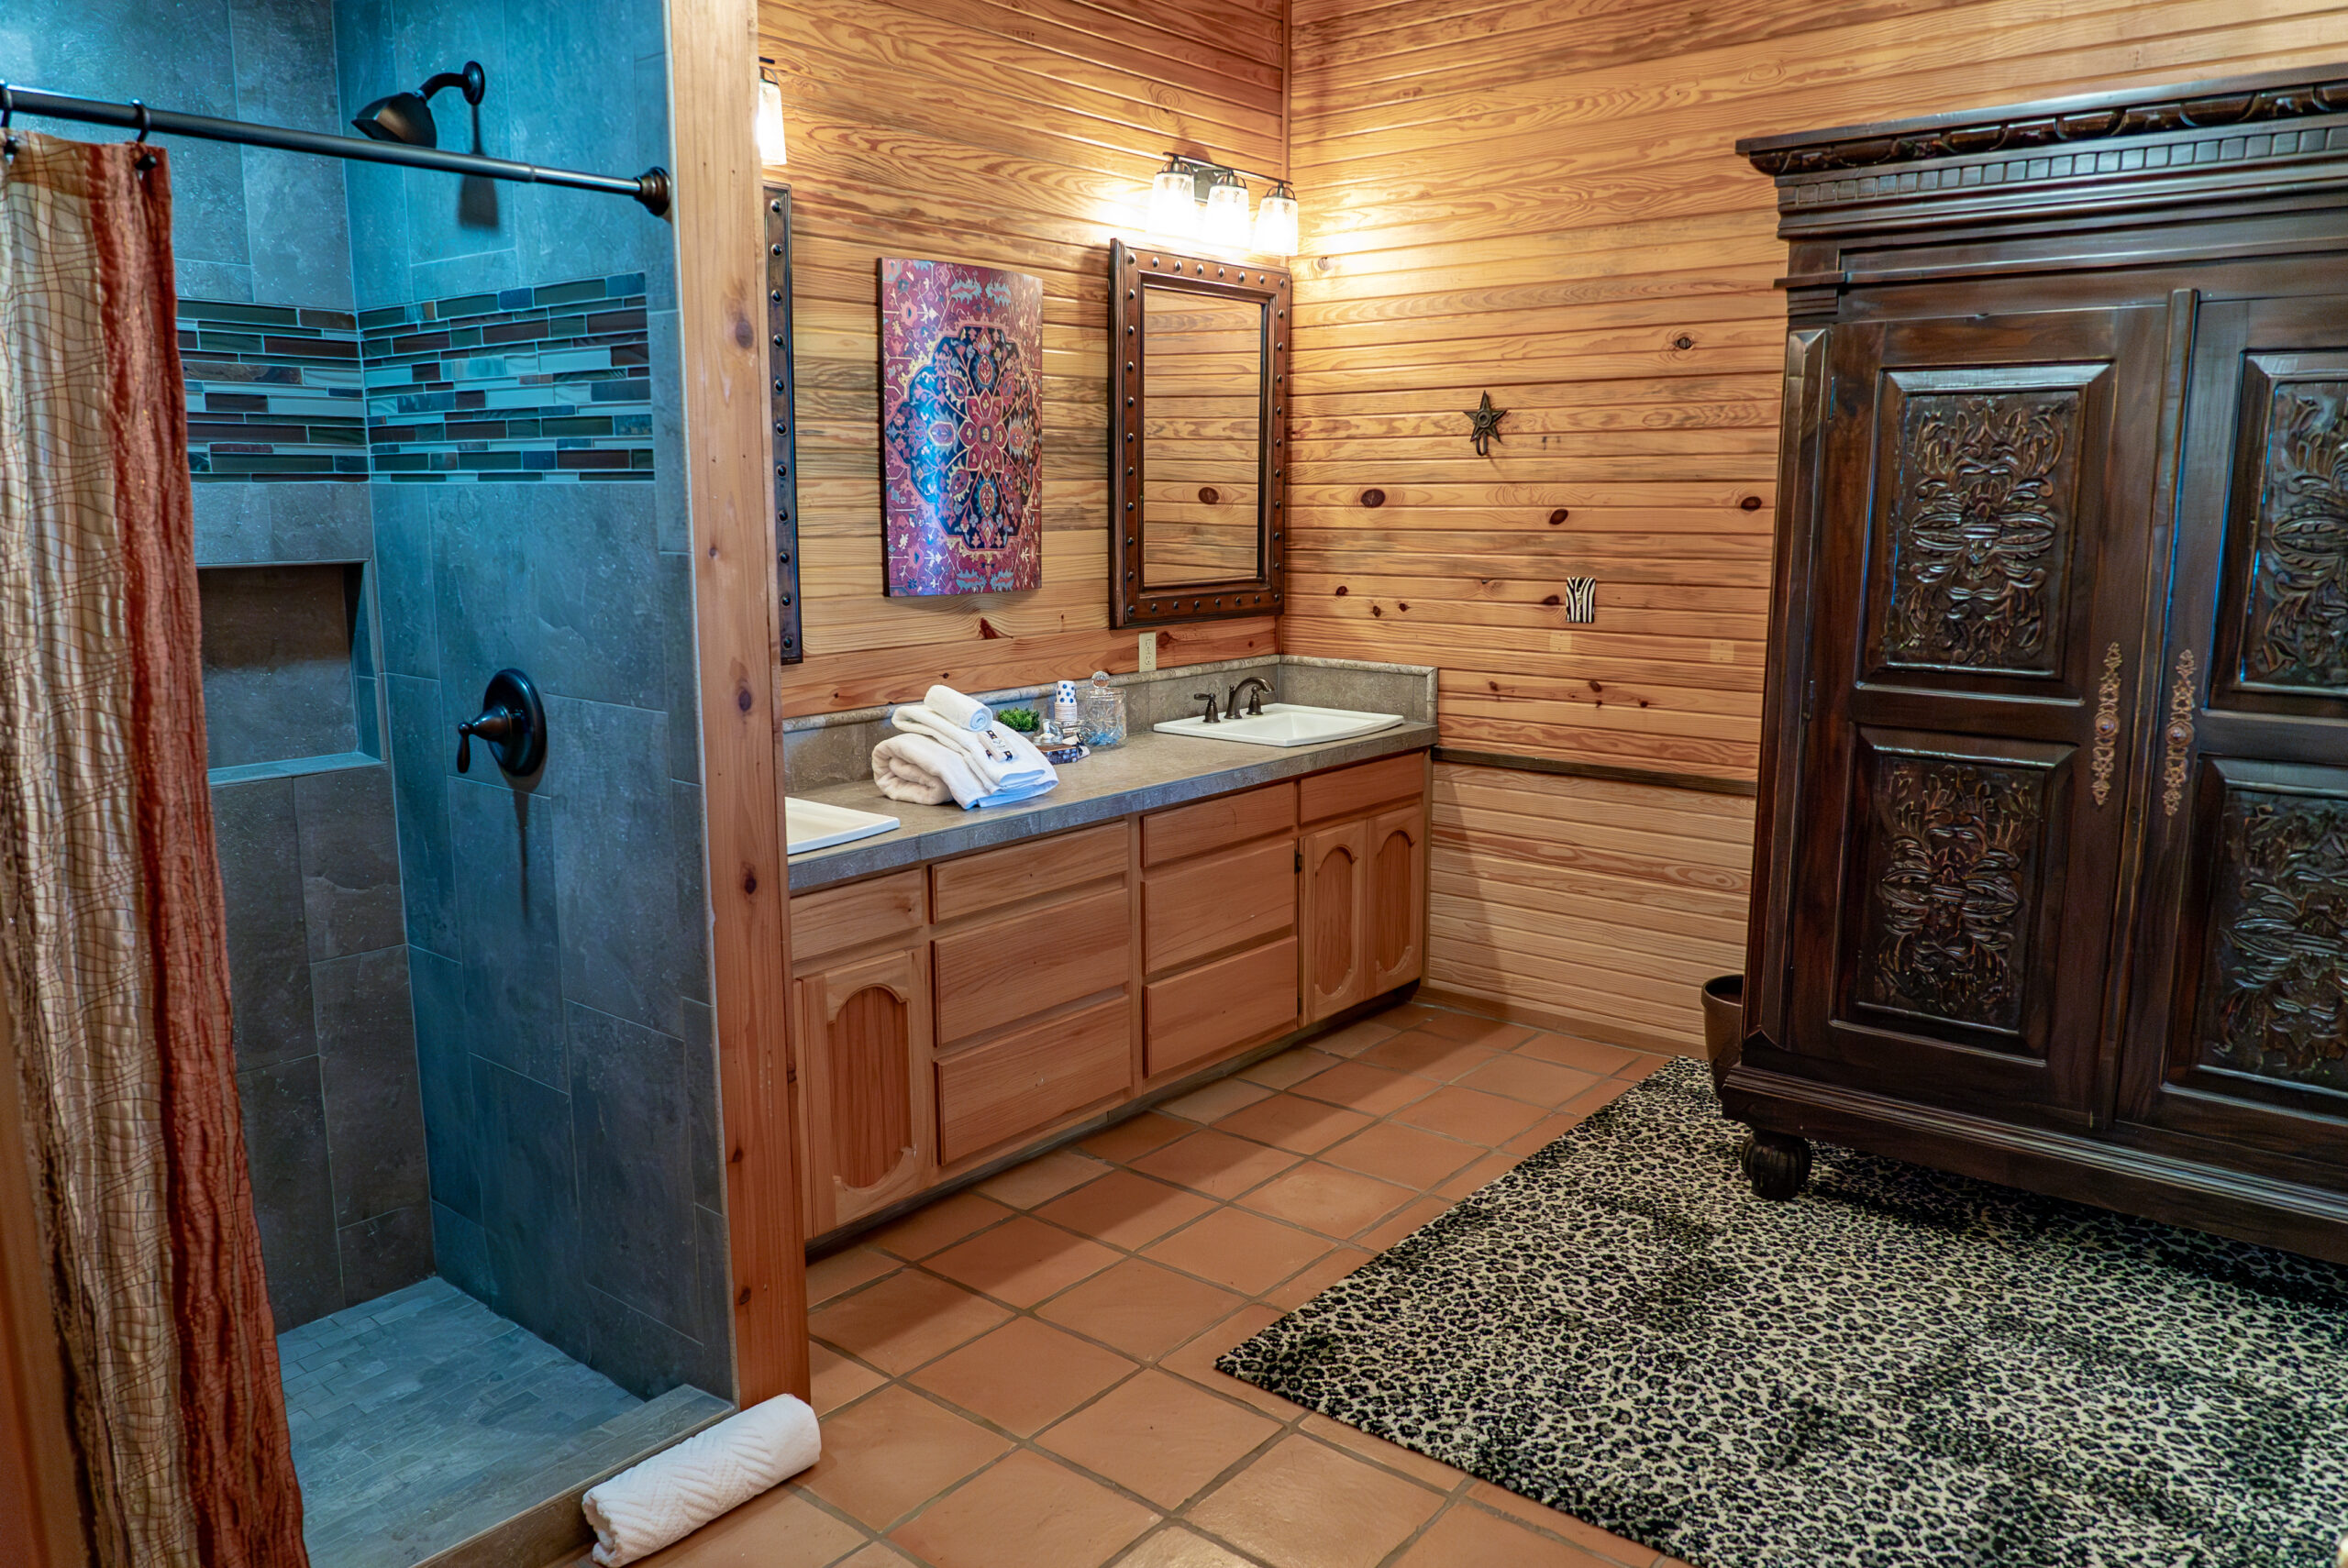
[{"x": 422, "y": 1418}]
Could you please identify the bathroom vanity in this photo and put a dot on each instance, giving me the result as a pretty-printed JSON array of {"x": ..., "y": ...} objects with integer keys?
[{"x": 956, "y": 1010}]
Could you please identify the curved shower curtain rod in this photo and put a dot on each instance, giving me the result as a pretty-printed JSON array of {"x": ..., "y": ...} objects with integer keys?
[{"x": 650, "y": 189}]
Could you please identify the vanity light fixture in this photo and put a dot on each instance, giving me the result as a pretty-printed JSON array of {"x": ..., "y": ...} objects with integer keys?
[
  {"x": 1191, "y": 199},
  {"x": 774, "y": 150},
  {"x": 1174, "y": 203}
]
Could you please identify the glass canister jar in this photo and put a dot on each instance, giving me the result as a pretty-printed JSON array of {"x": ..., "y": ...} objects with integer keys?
[{"x": 1104, "y": 713}]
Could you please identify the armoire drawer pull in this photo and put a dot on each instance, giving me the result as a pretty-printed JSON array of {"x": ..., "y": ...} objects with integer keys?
[
  {"x": 2180, "y": 735},
  {"x": 2106, "y": 726}
]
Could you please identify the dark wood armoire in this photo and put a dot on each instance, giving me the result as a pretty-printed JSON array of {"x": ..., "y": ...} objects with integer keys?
[{"x": 2050, "y": 885}]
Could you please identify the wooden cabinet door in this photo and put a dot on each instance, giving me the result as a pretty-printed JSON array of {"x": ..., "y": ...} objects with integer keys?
[
  {"x": 2239, "y": 1028},
  {"x": 1976, "y": 629},
  {"x": 1395, "y": 930},
  {"x": 867, "y": 1119},
  {"x": 1337, "y": 883}
]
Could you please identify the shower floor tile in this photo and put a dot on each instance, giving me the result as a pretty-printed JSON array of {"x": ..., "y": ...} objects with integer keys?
[{"x": 422, "y": 1418}]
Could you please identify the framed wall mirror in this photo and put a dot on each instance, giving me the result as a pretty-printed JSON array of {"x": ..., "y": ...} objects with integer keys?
[{"x": 1197, "y": 437}]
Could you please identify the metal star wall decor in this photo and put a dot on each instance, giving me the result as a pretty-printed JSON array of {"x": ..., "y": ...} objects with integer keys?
[{"x": 1487, "y": 425}]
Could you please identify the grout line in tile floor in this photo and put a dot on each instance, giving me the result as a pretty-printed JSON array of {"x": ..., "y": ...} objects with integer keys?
[{"x": 1020, "y": 1374}]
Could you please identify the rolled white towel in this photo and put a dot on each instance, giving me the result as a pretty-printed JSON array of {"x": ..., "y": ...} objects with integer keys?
[
  {"x": 678, "y": 1490},
  {"x": 962, "y": 713}
]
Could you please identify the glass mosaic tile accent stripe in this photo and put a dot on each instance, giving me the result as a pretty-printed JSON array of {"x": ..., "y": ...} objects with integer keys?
[
  {"x": 536, "y": 384},
  {"x": 273, "y": 393}
]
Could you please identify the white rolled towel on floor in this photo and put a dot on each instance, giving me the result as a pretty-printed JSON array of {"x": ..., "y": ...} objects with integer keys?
[
  {"x": 961, "y": 712},
  {"x": 679, "y": 1489}
]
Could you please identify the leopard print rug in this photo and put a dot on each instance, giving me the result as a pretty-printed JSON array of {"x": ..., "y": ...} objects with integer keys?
[{"x": 1899, "y": 1368}]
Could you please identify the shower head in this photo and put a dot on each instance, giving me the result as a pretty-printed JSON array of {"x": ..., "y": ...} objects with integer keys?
[{"x": 407, "y": 116}]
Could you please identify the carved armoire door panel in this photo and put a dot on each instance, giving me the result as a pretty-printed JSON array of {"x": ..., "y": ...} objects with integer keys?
[
  {"x": 1978, "y": 613},
  {"x": 2239, "y": 1030}
]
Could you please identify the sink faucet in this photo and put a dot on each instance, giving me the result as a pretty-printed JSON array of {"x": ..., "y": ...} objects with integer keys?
[
  {"x": 1256, "y": 688},
  {"x": 1208, "y": 698}
]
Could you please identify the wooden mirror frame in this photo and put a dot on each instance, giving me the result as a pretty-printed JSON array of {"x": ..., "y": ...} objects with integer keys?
[{"x": 1265, "y": 593}]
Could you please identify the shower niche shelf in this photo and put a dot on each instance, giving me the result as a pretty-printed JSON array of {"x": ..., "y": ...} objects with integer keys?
[{"x": 289, "y": 671}]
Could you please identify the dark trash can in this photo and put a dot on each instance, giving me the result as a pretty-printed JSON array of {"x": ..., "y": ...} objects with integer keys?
[{"x": 1723, "y": 1019}]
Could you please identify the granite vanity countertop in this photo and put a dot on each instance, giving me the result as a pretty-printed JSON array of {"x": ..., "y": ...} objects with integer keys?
[{"x": 1148, "y": 772}]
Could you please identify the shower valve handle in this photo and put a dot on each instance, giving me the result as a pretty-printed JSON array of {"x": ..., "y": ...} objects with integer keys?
[
  {"x": 512, "y": 723},
  {"x": 493, "y": 726}
]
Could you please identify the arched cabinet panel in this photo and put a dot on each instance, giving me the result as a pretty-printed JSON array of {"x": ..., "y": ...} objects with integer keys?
[
  {"x": 864, "y": 1050},
  {"x": 1395, "y": 932},
  {"x": 1336, "y": 882}
]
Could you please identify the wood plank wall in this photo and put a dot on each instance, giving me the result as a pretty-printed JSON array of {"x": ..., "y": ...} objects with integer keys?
[
  {"x": 1539, "y": 197},
  {"x": 1019, "y": 134}
]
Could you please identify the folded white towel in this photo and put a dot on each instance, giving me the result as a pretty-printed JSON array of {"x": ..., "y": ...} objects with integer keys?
[
  {"x": 968, "y": 712},
  {"x": 678, "y": 1490},
  {"x": 1003, "y": 758},
  {"x": 925, "y": 771}
]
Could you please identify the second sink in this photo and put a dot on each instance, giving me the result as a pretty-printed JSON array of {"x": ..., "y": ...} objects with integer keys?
[{"x": 1285, "y": 723}]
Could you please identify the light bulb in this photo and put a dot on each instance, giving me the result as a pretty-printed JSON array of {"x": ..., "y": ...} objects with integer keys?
[
  {"x": 1226, "y": 220},
  {"x": 1276, "y": 224},
  {"x": 773, "y": 147},
  {"x": 1174, "y": 205}
]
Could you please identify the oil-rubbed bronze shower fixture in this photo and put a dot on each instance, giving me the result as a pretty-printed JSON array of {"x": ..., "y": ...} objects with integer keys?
[
  {"x": 513, "y": 724},
  {"x": 407, "y": 116},
  {"x": 1486, "y": 420}
]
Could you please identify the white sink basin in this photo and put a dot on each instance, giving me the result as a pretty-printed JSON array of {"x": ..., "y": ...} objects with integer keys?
[
  {"x": 812, "y": 825},
  {"x": 1285, "y": 723}
]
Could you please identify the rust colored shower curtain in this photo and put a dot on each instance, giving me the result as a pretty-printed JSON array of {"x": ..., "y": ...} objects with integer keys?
[{"x": 111, "y": 928}]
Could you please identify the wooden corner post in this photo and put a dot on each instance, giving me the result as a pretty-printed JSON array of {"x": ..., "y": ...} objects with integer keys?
[{"x": 721, "y": 299}]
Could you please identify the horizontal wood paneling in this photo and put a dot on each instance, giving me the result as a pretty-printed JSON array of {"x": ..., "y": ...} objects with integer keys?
[
  {"x": 1541, "y": 199},
  {"x": 1018, "y": 135}
]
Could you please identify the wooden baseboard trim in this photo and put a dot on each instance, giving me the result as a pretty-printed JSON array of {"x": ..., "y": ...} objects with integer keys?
[
  {"x": 1605, "y": 1033},
  {"x": 1610, "y": 772}
]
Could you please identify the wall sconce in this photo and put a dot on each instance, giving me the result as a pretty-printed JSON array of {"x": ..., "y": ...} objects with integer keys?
[
  {"x": 774, "y": 150},
  {"x": 1191, "y": 199}
]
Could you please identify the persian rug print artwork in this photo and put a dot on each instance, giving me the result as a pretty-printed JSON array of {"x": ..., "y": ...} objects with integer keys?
[
  {"x": 961, "y": 415},
  {"x": 1899, "y": 1368}
]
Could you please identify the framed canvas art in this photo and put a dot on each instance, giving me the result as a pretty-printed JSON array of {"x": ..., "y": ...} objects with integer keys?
[{"x": 961, "y": 415}]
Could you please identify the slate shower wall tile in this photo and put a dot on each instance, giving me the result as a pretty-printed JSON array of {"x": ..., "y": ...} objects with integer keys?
[
  {"x": 559, "y": 582},
  {"x": 403, "y": 580},
  {"x": 680, "y": 650},
  {"x": 686, "y": 812},
  {"x": 319, "y": 521},
  {"x": 629, "y": 1105},
  {"x": 510, "y": 940},
  {"x": 255, "y": 832},
  {"x": 387, "y": 1253},
  {"x": 284, "y": 59},
  {"x": 642, "y": 1355},
  {"x": 621, "y": 950},
  {"x": 350, "y": 863},
  {"x": 420, "y": 793},
  {"x": 706, "y": 1155},
  {"x": 232, "y": 524},
  {"x": 461, "y": 1253},
  {"x": 716, "y": 1286},
  {"x": 444, "y": 1071},
  {"x": 285, "y": 1146},
  {"x": 368, "y": 1072},
  {"x": 529, "y": 1205}
]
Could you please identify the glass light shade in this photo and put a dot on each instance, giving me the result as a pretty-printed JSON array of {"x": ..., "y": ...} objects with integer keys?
[
  {"x": 1275, "y": 225},
  {"x": 1174, "y": 205},
  {"x": 1226, "y": 219},
  {"x": 773, "y": 147}
]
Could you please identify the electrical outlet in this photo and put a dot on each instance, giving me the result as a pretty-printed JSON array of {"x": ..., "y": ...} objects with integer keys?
[{"x": 1149, "y": 652}]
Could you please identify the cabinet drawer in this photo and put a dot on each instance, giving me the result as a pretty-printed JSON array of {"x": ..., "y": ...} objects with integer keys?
[
  {"x": 1225, "y": 900},
  {"x": 997, "y": 973},
  {"x": 839, "y": 917},
  {"x": 972, "y": 884},
  {"x": 1205, "y": 1011},
  {"x": 1218, "y": 823},
  {"x": 1351, "y": 790},
  {"x": 1027, "y": 1081}
]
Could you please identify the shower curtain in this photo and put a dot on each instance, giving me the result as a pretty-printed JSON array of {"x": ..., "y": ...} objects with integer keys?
[{"x": 112, "y": 939}]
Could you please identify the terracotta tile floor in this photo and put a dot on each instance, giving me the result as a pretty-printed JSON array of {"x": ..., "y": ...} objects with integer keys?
[{"x": 1020, "y": 1376}]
